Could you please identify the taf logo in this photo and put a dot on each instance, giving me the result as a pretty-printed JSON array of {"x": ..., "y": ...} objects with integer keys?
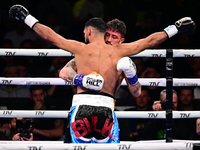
[
  {"x": 154, "y": 83},
  {"x": 68, "y": 83},
  {"x": 7, "y": 112},
  {"x": 6, "y": 81},
  {"x": 79, "y": 147},
  {"x": 35, "y": 148},
  {"x": 153, "y": 115},
  {"x": 10, "y": 53},
  {"x": 39, "y": 113},
  {"x": 42, "y": 54},
  {"x": 156, "y": 55},
  {"x": 187, "y": 55},
  {"x": 124, "y": 147},
  {"x": 184, "y": 115}
]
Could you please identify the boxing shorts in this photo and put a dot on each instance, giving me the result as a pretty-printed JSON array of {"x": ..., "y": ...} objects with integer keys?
[{"x": 92, "y": 119}]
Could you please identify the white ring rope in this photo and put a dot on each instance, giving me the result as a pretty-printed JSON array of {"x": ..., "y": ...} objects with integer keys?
[
  {"x": 119, "y": 114},
  {"x": 59, "y": 145},
  {"x": 60, "y": 52},
  {"x": 59, "y": 81}
]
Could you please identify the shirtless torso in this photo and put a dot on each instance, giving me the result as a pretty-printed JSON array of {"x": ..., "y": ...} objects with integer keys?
[{"x": 98, "y": 56}]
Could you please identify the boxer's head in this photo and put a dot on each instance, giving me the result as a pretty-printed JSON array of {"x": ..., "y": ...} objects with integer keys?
[
  {"x": 116, "y": 30},
  {"x": 95, "y": 25}
]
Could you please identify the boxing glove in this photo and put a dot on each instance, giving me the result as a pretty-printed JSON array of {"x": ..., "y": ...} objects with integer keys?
[
  {"x": 93, "y": 81},
  {"x": 19, "y": 12},
  {"x": 126, "y": 65},
  {"x": 185, "y": 24}
]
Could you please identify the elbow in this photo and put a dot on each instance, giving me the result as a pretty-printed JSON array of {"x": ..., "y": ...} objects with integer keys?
[
  {"x": 138, "y": 93},
  {"x": 61, "y": 74}
]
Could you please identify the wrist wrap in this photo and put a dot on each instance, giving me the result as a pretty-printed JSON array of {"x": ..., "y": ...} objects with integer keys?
[
  {"x": 30, "y": 21},
  {"x": 133, "y": 80},
  {"x": 78, "y": 80}
]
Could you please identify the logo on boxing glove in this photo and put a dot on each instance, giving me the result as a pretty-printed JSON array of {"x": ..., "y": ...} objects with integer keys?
[{"x": 93, "y": 82}]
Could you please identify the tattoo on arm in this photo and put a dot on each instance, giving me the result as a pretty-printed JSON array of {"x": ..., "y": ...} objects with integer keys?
[
  {"x": 138, "y": 86},
  {"x": 71, "y": 63},
  {"x": 70, "y": 75},
  {"x": 198, "y": 124}
]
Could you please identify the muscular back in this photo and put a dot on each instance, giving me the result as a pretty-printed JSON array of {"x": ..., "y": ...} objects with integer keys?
[{"x": 102, "y": 59}]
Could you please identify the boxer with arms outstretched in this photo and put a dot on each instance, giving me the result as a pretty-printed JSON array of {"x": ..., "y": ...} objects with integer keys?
[{"x": 92, "y": 117}]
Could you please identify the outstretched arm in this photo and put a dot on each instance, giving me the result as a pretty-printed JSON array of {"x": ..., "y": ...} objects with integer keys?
[
  {"x": 19, "y": 12},
  {"x": 185, "y": 24}
]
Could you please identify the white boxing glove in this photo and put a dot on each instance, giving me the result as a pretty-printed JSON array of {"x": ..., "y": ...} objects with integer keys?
[
  {"x": 93, "y": 81},
  {"x": 126, "y": 65}
]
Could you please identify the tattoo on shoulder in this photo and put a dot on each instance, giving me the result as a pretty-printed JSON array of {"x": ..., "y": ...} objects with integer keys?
[
  {"x": 138, "y": 86},
  {"x": 71, "y": 63}
]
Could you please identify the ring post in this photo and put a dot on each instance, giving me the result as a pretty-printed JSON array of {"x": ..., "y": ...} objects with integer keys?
[{"x": 169, "y": 93}]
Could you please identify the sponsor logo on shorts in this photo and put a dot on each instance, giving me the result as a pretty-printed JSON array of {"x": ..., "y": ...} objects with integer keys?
[
  {"x": 93, "y": 82},
  {"x": 82, "y": 127},
  {"x": 37, "y": 83},
  {"x": 34, "y": 147}
]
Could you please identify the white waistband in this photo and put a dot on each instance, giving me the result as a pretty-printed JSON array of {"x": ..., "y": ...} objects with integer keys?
[{"x": 93, "y": 100}]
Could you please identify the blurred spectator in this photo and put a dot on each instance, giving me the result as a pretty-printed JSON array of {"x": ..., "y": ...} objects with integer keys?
[
  {"x": 5, "y": 60},
  {"x": 18, "y": 129},
  {"x": 157, "y": 104},
  {"x": 186, "y": 99},
  {"x": 21, "y": 33},
  {"x": 181, "y": 128},
  {"x": 63, "y": 10},
  {"x": 31, "y": 63},
  {"x": 88, "y": 9},
  {"x": 137, "y": 125},
  {"x": 140, "y": 66},
  {"x": 45, "y": 128},
  {"x": 152, "y": 71},
  {"x": 8, "y": 90},
  {"x": 149, "y": 25},
  {"x": 195, "y": 64},
  {"x": 82, "y": 11}
]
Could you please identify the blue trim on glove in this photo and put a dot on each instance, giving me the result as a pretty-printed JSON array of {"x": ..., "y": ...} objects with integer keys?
[
  {"x": 133, "y": 80},
  {"x": 78, "y": 80}
]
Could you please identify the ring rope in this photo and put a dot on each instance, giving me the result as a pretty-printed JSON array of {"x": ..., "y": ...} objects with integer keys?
[
  {"x": 119, "y": 114},
  {"x": 58, "y": 145},
  {"x": 58, "y": 81},
  {"x": 61, "y": 52}
]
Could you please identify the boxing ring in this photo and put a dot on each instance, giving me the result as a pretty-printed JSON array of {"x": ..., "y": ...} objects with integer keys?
[{"x": 168, "y": 82}]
